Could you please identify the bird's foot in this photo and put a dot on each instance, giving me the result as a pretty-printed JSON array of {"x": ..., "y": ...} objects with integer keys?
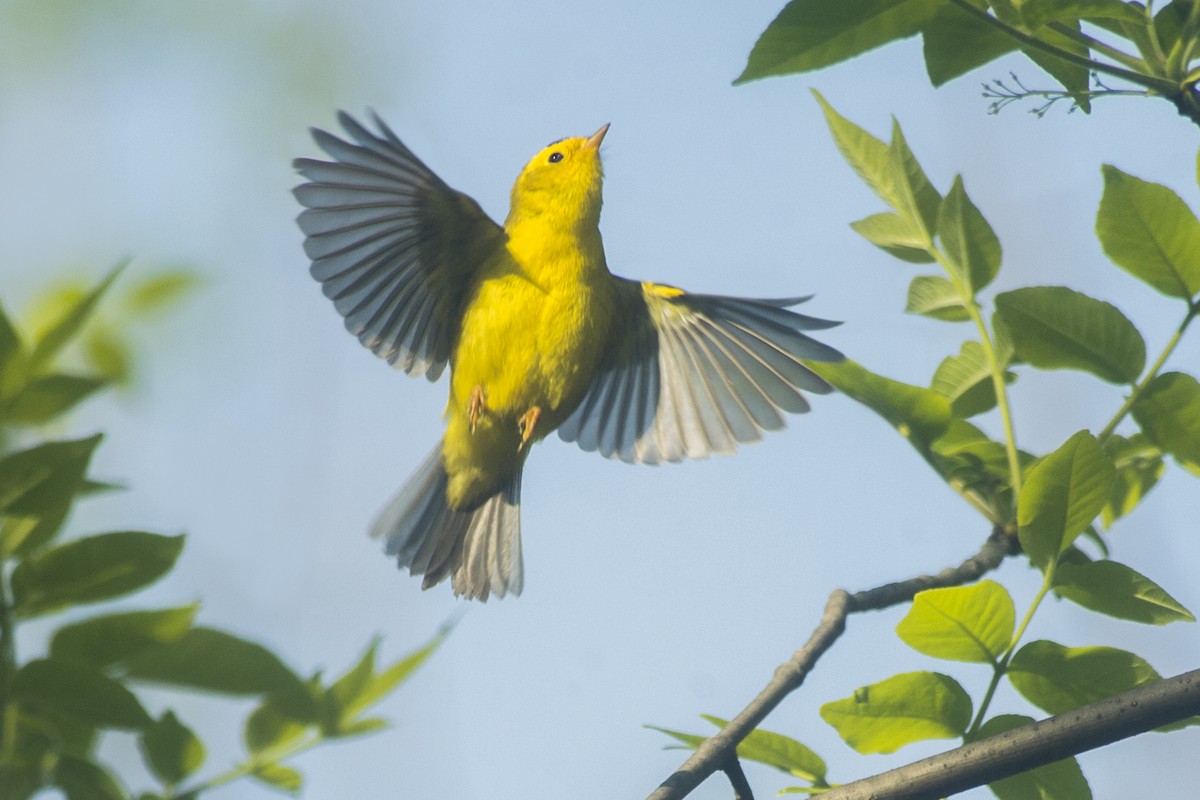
[
  {"x": 476, "y": 405},
  {"x": 527, "y": 424}
]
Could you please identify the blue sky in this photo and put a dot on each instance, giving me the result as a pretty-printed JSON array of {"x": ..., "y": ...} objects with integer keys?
[{"x": 166, "y": 131}]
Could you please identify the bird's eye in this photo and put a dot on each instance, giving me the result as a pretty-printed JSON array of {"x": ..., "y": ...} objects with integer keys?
[{"x": 555, "y": 157}]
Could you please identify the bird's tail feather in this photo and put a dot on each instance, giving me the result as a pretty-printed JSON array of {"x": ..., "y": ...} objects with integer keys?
[{"x": 479, "y": 548}]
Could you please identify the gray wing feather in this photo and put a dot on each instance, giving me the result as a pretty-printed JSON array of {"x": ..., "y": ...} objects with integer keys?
[
  {"x": 692, "y": 375},
  {"x": 393, "y": 246}
]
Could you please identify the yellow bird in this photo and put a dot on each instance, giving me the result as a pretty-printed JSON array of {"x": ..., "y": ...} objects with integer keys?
[{"x": 539, "y": 336}]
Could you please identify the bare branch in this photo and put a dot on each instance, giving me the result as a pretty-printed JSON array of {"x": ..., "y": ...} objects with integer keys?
[
  {"x": 714, "y": 752},
  {"x": 1021, "y": 749},
  {"x": 737, "y": 778}
]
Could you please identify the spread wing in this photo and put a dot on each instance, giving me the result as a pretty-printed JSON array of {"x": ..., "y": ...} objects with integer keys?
[
  {"x": 393, "y": 246},
  {"x": 688, "y": 375}
]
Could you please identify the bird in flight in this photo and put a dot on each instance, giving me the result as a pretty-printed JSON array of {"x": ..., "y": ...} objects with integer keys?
[{"x": 539, "y": 336}]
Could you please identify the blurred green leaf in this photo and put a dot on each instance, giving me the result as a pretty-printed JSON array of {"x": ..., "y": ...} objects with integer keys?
[
  {"x": 778, "y": 751},
  {"x": 91, "y": 569},
  {"x": 215, "y": 661},
  {"x": 961, "y": 623},
  {"x": 968, "y": 240},
  {"x": 1037, "y": 13},
  {"x": 1148, "y": 231},
  {"x": 280, "y": 777},
  {"x": 11, "y": 355},
  {"x": 1056, "y": 678},
  {"x": 68, "y": 325},
  {"x": 1139, "y": 466},
  {"x": 160, "y": 291},
  {"x": 934, "y": 296},
  {"x": 893, "y": 234},
  {"x": 171, "y": 749},
  {"x": 79, "y": 691},
  {"x": 46, "y": 397},
  {"x": 109, "y": 354},
  {"x": 1060, "y": 780},
  {"x": 105, "y": 640},
  {"x": 383, "y": 683},
  {"x": 1108, "y": 587},
  {"x": 914, "y": 706},
  {"x": 966, "y": 381},
  {"x": 82, "y": 779},
  {"x": 1169, "y": 414},
  {"x": 267, "y": 728},
  {"x": 52, "y": 474},
  {"x": 1053, "y": 327},
  {"x": 956, "y": 43},
  {"x": 810, "y": 34},
  {"x": 1062, "y": 494}
]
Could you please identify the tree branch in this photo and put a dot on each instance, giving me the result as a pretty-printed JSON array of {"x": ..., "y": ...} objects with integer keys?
[
  {"x": 1021, "y": 749},
  {"x": 714, "y": 753}
]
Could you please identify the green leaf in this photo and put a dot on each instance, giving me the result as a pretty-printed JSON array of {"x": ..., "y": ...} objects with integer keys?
[
  {"x": 69, "y": 324},
  {"x": 51, "y": 475},
  {"x": 215, "y": 661},
  {"x": 1148, "y": 231},
  {"x": 966, "y": 381},
  {"x": 1057, "y": 679},
  {"x": 962, "y": 623},
  {"x": 779, "y": 751},
  {"x": 885, "y": 716},
  {"x": 969, "y": 242},
  {"x": 1060, "y": 780},
  {"x": 920, "y": 415},
  {"x": 11, "y": 355},
  {"x": 894, "y": 235},
  {"x": 109, "y": 639},
  {"x": 347, "y": 689},
  {"x": 81, "y": 779},
  {"x": 91, "y": 569},
  {"x": 171, "y": 749},
  {"x": 109, "y": 354},
  {"x": 1053, "y": 327},
  {"x": 1169, "y": 414},
  {"x": 690, "y": 740},
  {"x": 969, "y": 458},
  {"x": 267, "y": 728},
  {"x": 914, "y": 199},
  {"x": 1061, "y": 496},
  {"x": 811, "y": 34},
  {"x": 277, "y": 775},
  {"x": 1037, "y": 13},
  {"x": 956, "y": 43},
  {"x": 385, "y": 682},
  {"x": 1119, "y": 591},
  {"x": 47, "y": 397},
  {"x": 1139, "y": 466},
  {"x": 891, "y": 171},
  {"x": 935, "y": 296},
  {"x": 77, "y": 691},
  {"x": 160, "y": 291}
]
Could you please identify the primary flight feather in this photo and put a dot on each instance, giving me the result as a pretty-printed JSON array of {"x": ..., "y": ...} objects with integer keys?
[{"x": 539, "y": 336}]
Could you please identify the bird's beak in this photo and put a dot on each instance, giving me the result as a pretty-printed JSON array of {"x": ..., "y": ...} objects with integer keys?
[{"x": 593, "y": 142}]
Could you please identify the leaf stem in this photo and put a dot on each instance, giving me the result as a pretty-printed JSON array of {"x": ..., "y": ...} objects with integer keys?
[
  {"x": 250, "y": 767},
  {"x": 1151, "y": 374},
  {"x": 1000, "y": 668}
]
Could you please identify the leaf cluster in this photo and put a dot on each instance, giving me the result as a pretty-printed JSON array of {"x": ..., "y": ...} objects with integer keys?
[
  {"x": 1153, "y": 51},
  {"x": 1047, "y": 501},
  {"x": 55, "y": 709}
]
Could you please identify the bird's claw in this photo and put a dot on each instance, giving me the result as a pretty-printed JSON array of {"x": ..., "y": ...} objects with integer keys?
[
  {"x": 476, "y": 406},
  {"x": 527, "y": 424}
]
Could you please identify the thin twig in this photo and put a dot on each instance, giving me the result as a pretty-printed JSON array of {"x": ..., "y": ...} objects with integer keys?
[
  {"x": 1021, "y": 749},
  {"x": 737, "y": 779},
  {"x": 714, "y": 752}
]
